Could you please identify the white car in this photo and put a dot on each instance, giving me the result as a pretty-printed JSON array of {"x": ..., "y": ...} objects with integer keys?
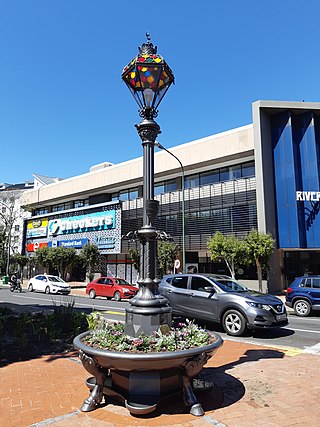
[{"x": 48, "y": 284}]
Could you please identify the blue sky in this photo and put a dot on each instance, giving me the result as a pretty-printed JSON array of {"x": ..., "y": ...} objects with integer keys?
[{"x": 64, "y": 108}]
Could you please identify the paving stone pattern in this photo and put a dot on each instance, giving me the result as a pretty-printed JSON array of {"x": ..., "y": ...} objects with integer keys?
[{"x": 254, "y": 386}]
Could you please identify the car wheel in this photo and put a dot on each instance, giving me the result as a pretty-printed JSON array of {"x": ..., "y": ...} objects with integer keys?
[
  {"x": 302, "y": 308},
  {"x": 234, "y": 323},
  {"x": 92, "y": 294},
  {"x": 30, "y": 287},
  {"x": 47, "y": 290},
  {"x": 117, "y": 296}
]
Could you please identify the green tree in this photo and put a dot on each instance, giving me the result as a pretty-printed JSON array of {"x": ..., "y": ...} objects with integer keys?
[
  {"x": 20, "y": 260},
  {"x": 2, "y": 250},
  {"x": 10, "y": 214},
  {"x": 42, "y": 258},
  {"x": 90, "y": 257},
  {"x": 258, "y": 249},
  {"x": 228, "y": 248},
  {"x": 63, "y": 259},
  {"x": 135, "y": 257},
  {"x": 167, "y": 253}
]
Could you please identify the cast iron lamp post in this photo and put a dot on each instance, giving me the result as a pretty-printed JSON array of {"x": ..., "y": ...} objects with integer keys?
[
  {"x": 142, "y": 380},
  {"x": 148, "y": 78},
  {"x": 157, "y": 144}
]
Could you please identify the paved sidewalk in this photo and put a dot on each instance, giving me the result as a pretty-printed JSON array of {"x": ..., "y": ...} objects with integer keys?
[{"x": 254, "y": 386}]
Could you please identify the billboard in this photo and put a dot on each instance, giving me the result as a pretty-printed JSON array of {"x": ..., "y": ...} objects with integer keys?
[
  {"x": 96, "y": 221},
  {"x": 37, "y": 228}
]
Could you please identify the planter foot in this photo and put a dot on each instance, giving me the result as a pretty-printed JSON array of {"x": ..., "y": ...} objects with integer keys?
[
  {"x": 192, "y": 368},
  {"x": 197, "y": 410},
  {"x": 96, "y": 394},
  {"x": 140, "y": 409}
]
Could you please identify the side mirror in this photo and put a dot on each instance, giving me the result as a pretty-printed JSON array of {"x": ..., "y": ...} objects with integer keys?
[{"x": 209, "y": 289}]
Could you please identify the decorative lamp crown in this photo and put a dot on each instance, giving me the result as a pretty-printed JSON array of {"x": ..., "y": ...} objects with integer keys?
[{"x": 148, "y": 78}]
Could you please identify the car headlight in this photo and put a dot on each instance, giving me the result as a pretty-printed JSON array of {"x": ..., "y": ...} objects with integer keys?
[
  {"x": 258, "y": 305},
  {"x": 126, "y": 290}
]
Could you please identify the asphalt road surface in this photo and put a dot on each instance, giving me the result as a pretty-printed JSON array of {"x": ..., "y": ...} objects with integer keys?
[{"x": 300, "y": 334}]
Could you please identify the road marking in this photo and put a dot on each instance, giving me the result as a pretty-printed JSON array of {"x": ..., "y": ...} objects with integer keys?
[
  {"x": 288, "y": 351},
  {"x": 35, "y": 299},
  {"x": 313, "y": 349},
  {"x": 303, "y": 330},
  {"x": 121, "y": 313}
]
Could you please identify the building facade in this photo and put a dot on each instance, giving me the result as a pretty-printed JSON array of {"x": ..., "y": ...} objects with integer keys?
[{"x": 264, "y": 175}]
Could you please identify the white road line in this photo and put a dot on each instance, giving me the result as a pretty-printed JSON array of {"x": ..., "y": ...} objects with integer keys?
[
  {"x": 313, "y": 349},
  {"x": 101, "y": 307},
  {"x": 303, "y": 330}
]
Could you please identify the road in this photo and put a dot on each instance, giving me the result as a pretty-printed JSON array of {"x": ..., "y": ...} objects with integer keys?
[{"x": 301, "y": 333}]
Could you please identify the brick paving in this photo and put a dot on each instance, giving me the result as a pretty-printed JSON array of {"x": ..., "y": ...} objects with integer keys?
[{"x": 254, "y": 386}]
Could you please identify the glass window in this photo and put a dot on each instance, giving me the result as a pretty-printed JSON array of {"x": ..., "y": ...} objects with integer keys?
[
  {"x": 16, "y": 227},
  {"x": 316, "y": 283},
  {"x": 165, "y": 187},
  {"x": 115, "y": 196},
  {"x": 235, "y": 172},
  {"x": 224, "y": 174},
  {"x": 133, "y": 194},
  {"x": 199, "y": 284},
  {"x": 159, "y": 188},
  {"x": 306, "y": 283},
  {"x": 170, "y": 185},
  {"x": 41, "y": 211},
  {"x": 180, "y": 282},
  {"x": 128, "y": 194},
  {"x": 191, "y": 181},
  {"x": 123, "y": 195},
  {"x": 248, "y": 170},
  {"x": 80, "y": 203},
  {"x": 61, "y": 207},
  {"x": 120, "y": 282},
  {"x": 209, "y": 177}
]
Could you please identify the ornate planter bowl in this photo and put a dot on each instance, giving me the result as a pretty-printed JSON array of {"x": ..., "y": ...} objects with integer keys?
[{"x": 141, "y": 380}]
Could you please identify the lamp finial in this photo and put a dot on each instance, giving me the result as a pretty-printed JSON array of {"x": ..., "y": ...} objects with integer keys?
[{"x": 148, "y": 48}]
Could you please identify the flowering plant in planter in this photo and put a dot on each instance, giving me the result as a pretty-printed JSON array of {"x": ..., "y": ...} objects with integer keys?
[{"x": 110, "y": 336}]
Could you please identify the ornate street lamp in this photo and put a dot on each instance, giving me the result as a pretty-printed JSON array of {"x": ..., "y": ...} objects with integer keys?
[
  {"x": 148, "y": 78},
  {"x": 141, "y": 380}
]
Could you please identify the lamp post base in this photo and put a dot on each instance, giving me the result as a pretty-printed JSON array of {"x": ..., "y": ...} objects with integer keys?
[{"x": 145, "y": 320}]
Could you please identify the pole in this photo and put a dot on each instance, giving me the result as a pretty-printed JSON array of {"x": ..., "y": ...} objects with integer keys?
[
  {"x": 148, "y": 308},
  {"x": 157, "y": 144}
]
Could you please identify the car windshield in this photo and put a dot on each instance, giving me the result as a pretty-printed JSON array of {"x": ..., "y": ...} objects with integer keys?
[
  {"x": 121, "y": 282},
  {"x": 229, "y": 285},
  {"x": 55, "y": 279}
]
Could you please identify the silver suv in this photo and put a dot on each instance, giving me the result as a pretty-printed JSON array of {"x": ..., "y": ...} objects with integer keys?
[{"x": 221, "y": 299}]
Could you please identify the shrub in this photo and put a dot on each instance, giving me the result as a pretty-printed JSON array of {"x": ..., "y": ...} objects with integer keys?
[{"x": 110, "y": 336}]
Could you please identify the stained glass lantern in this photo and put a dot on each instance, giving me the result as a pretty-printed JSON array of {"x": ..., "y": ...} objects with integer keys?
[{"x": 148, "y": 78}]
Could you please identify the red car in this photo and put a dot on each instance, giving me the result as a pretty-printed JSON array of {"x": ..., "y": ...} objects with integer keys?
[{"x": 111, "y": 287}]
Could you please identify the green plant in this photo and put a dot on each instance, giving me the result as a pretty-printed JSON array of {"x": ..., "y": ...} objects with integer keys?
[
  {"x": 258, "y": 250},
  {"x": 110, "y": 336},
  {"x": 228, "y": 248},
  {"x": 167, "y": 253},
  {"x": 90, "y": 257}
]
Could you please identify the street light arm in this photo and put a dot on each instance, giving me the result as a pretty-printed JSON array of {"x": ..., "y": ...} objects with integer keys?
[{"x": 157, "y": 144}]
